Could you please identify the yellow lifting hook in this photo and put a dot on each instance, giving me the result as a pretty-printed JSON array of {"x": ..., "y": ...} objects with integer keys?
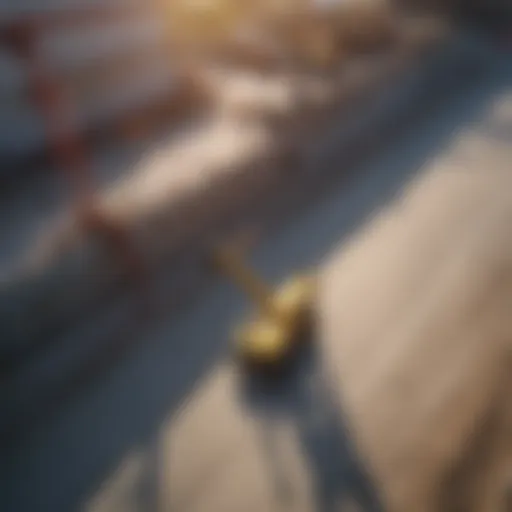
[{"x": 284, "y": 317}]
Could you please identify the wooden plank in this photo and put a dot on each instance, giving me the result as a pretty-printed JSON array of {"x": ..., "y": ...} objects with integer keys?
[{"x": 417, "y": 324}]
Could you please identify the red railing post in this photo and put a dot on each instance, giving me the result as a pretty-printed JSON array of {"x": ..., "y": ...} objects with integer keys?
[{"x": 66, "y": 142}]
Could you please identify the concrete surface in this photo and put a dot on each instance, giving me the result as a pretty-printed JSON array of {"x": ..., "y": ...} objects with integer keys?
[{"x": 414, "y": 332}]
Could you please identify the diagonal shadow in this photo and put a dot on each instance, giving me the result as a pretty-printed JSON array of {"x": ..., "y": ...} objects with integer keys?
[{"x": 304, "y": 399}]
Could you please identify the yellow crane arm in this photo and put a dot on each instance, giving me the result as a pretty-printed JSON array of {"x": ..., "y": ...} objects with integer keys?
[{"x": 230, "y": 263}]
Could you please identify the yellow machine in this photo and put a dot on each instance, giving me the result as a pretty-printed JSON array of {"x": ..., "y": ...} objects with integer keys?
[{"x": 283, "y": 320}]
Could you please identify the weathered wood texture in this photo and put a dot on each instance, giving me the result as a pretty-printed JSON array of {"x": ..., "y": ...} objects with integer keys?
[{"x": 418, "y": 327}]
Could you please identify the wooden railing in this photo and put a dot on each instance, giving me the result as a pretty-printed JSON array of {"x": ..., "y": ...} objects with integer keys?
[
  {"x": 51, "y": 81},
  {"x": 83, "y": 71}
]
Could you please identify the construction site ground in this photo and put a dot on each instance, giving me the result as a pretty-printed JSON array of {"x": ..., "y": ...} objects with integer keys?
[{"x": 406, "y": 399}]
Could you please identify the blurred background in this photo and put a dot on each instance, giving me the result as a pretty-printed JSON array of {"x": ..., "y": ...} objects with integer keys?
[{"x": 368, "y": 139}]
